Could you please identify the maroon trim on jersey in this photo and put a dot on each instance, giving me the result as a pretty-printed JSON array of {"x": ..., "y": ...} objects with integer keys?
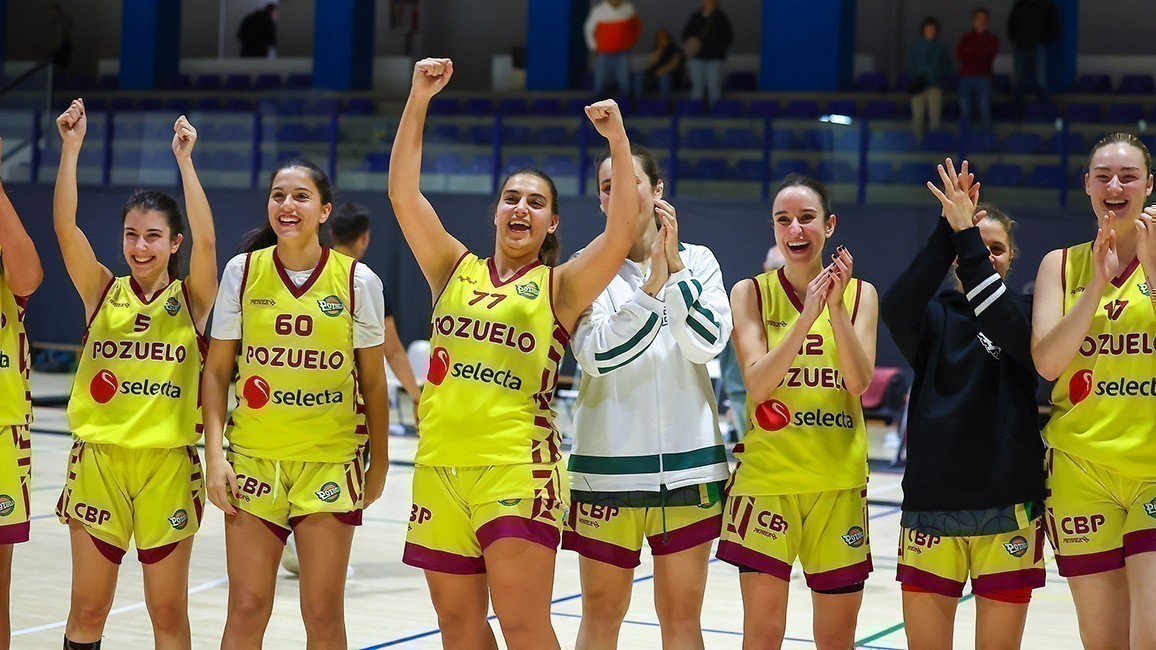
[
  {"x": 554, "y": 311},
  {"x": 280, "y": 532},
  {"x": 1071, "y": 566},
  {"x": 513, "y": 526},
  {"x": 441, "y": 561},
  {"x": 858, "y": 295},
  {"x": 686, "y": 537},
  {"x": 758, "y": 297},
  {"x": 352, "y": 293},
  {"x": 1033, "y": 578},
  {"x": 298, "y": 291},
  {"x": 449, "y": 278},
  {"x": 928, "y": 582},
  {"x": 745, "y": 558},
  {"x": 154, "y": 555},
  {"x": 1139, "y": 541},
  {"x": 498, "y": 282},
  {"x": 598, "y": 550},
  {"x": 1120, "y": 279},
  {"x": 15, "y": 533},
  {"x": 114, "y": 554},
  {"x": 99, "y": 304},
  {"x": 244, "y": 281},
  {"x": 139, "y": 291},
  {"x": 1064, "y": 277},
  {"x": 790, "y": 291},
  {"x": 838, "y": 578}
]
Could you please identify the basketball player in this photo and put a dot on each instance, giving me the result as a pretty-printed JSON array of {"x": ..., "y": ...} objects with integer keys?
[
  {"x": 648, "y": 458},
  {"x": 972, "y": 489},
  {"x": 489, "y": 490},
  {"x": 20, "y": 275},
  {"x": 306, "y": 322},
  {"x": 805, "y": 339},
  {"x": 1093, "y": 333},
  {"x": 134, "y": 410}
]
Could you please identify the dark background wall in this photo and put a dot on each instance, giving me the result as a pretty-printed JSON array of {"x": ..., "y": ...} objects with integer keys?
[{"x": 882, "y": 238}]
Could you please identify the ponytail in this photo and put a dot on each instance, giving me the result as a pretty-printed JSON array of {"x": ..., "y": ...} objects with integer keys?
[
  {"x": 551, "y": 250},
  {"x": 264, "y": 237},
  {"x": 258, "y": 238}
]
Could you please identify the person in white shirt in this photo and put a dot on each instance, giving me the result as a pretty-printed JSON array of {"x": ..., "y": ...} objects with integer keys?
[{"x": 648, "y": 458}]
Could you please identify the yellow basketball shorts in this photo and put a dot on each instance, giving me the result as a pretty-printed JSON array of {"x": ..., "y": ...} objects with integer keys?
[
  {"x": 826, "y": 531},
  {"x": 283, "y": 492},
  {"x": 996, "y": 563},
  {"x": 116, "y": 493},
  {"x": 459, "y": 511},
  {"x": 1096, "y": 517},
  {"x": 613, "y": 534},
  {"x": 15, "y": 483}
]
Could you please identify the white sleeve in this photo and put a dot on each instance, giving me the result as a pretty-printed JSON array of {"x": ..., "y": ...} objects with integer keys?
[
  {"x": 699, "y": 308},
  {"x": 227, "y": 310},
  {"x": 368, "y": 308},
  {"x": 606, "y": 339}
]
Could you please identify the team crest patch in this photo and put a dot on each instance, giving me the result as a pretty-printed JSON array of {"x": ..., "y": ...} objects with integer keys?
[
  {"x": 529, "y": 290},
  {"x": 1149, "y": 508},
  {"x": 173, "y": 306},
  {"x": 855, "y": 537},
  {"x": 331, "y": 306},
  {"x": 1143, "y": 287},
  {"x": 179, "y": 520},
  {"x": 7, "y": 505},
  {"x": 329, "y": 492},
  {"x": 510, "y": 503},
  {"x": 1017, "y": 547}
]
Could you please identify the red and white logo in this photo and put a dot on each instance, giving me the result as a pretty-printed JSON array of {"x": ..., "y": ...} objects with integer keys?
[
  {"x": 1080, "y": 386},
  {"x": 439, "y": 366},
  {"x": 256, "y": 392},
  {"x": 772, "y": 415},
  {"x": 103, "y": 386},
  {"x": 1115, "y": 308}
]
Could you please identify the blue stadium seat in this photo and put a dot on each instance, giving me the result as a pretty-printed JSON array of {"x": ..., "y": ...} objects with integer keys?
[
  {"x": 234, "y": 132},
  {"x": 879, "y": 171},
  {"x": 443, "y": 162},
  {"x": 292, "y": 132},
  {"x": 659, "y": 138},
  {"x": 915, "y": 173},
  {"x": 517, "y": 161},
  {"x": 699, "y": 138},
  {"x": 546, "y": 107},
  {"x": 375, "y": 161},
  {"x": 323, "y": 106},
  {"x": 129, "y": 157},
  {"x": 553, "y": 136},
  {"x": 782, "y": 138},
  {"x": 481, "y": 134},
  {"x": 1137, "y": 84},
  {"x": 871, "y": 82},
  {"x": 981, "y": 142},
  {"x": 788, "y": 166},
  {"x": 178, "y": 105},
  {"x": 942, "y": 142},
  {"x": 443, "y": 106},
  {"x": 835, "y": 171},
  {"x": 893, "y": 141},
  {"x": 360, "y": 106},
  {"x": 712, "y": 169},
  {"x": 575, "y": 107},
  {"x": 1077, "y": 179},
  {"x": 444, "y": 133},
  {"x": 267, "y": 82},
  {"x": 238, "y": 82},
  {"x": 880, "y": 109},
  {"x": 1084, "y": 112},
  {"x": 1022, "y": 143},
  {"x": 206, "y": 82},
  {"x": 1046, "y": 176},
  {"x": 1041, "y": 112},
  {"x": 802, "y": 109},
  {"x": 209, "y": 104},
  {"x": 848, "y": 140},
  {"x": 1074, "y": 143},
  {"x": 689, "y": 107},
  {"x": 151, "y": 104},
  {"x": 1002, "y": 175},
  {"x": 513, "y": 106},
  {"x": 652, "y": 107},
  {"x": 750, "y": 170},
  {"x": 238, "y": 105},
  {"x": 1128, "y": 113},
  {"x": 123, "y": 104},
  {"x": 291, "y": 106},
  {"x": 727, "y": 108},
  {"x": 560, "y": 165},
  {"x": 514, "y": 134},
  {"x": 1088, "y": 84},
  {"x": 842, "y": 107},
  {"x": 818, "y": 140},
  {"x": 479, "y": 106},
  {"x": 741, "y": 138},
  {"x": 299, "y": 81},
  {"x": 763, "y": 108}
]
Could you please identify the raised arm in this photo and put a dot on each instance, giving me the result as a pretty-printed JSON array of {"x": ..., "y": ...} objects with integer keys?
[
  {"x": 435, "y": 249},
  {"x": 1056, "y": 335},
  {"x": 17, "y": 253},
  {"x": 580, "y": 280},
  {"x": 202, "y": 280},
  {"x": 764, "y": 369},
  {"x": 89, "y": 276}
]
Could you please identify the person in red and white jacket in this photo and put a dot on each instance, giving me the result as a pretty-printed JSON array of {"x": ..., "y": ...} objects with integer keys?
[{"x": 612, "y": 30}]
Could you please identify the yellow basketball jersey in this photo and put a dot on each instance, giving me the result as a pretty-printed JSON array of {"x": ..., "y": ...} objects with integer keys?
[
  {"x": 138, "y": 380},
  {"x": 495, "y": 351},
  {"x": 15, "y": 399},
  {"x": 809, "y": 437},
  {"x": 298, "y": 378},
  {"x": 1104, "y": 404}
]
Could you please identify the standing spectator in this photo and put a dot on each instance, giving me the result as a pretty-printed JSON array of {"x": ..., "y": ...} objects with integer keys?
[
  {"x": 612, "y": 30},
  {"x": 705, "y": 40},
  {"x": 1032, "y": 25},
  {"x": 60, "y": 38},
  {"x": 664, "y": 67},
  {"x": 258, "y": 33},
  {"x": 929, "y": 65},
  {"x": 976, "y": 51}
]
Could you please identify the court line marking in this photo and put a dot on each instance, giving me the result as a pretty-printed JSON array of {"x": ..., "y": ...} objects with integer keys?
[
  {"x": 428, "y": 633},
  {"x": 119, "y": 610}
]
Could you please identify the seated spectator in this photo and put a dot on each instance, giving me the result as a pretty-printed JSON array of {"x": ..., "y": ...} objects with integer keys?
[{"x": 664, "y": 67}]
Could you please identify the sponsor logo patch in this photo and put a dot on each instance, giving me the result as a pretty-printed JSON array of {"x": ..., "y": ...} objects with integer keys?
[
  {"x": 173, "y": 306},
  {"x": 179, "y": 520},
  {"x": 7, "y": 505},
  {"x": 529, "y": 290},
  {"x": 855, "y": 537},
  {"x": 509, "y": 503},
  {"x": 329, "y": 492},
  {"x": 263, "y": 302},
  {"x": 1150, "y": 508},
  {"x": 1017, "y": 547},
  {"x": 331, "y": 306}
]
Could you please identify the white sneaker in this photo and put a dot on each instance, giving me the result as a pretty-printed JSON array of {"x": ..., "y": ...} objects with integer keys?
[{"x": 289, "y": 557}]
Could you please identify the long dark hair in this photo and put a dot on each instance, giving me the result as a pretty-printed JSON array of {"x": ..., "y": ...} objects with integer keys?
[
  {"x": 552, "y": 246},
  {"x": 347, "y": 223},
  {"x": 264, "y": 237},
  {"x": 649, "y": 165},
  {"x": 820, "y": 190},
  {"x": 152, "y": 201}
]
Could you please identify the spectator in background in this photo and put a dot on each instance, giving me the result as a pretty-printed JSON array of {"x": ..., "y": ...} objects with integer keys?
[
  {"x": 664, "y": 67},
  {"x": 60, "y": 39},
  {"x": 612, "y": 30},
  {"x": 1031, "y": 26},
  {"x": 930, "y": 63},
  {"x": 705, "y": 41},
  {"x": 976, "y": 52},
  {"x": 258, "y": 33}
]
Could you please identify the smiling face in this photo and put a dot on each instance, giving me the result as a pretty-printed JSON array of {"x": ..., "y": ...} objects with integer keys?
[
  {"x": 801, "y": 227},
  {"x": 525, "y": 215},
  {"x": 647, "y": 193},
  {"x": 998, "y": 243},
  {"x": 148, "y": 243},
  {"x": 1118, "y": 179},
  {"x": 295, "y": 205}
]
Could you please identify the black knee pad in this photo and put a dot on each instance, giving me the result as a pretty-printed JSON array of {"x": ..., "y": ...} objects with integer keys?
[{"x": 849, "y": 589}]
